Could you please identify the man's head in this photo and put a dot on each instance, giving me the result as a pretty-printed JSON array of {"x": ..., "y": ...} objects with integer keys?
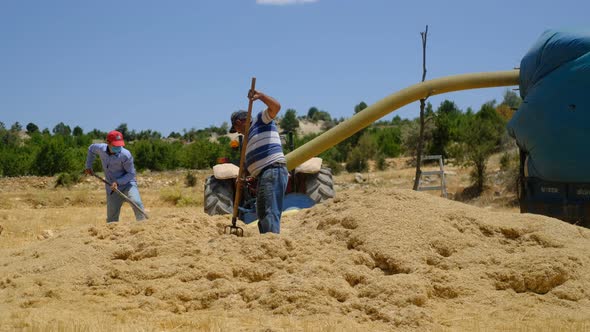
[
  {"x": 115, "y": 138},
  {"x": 238, "y": 122}
]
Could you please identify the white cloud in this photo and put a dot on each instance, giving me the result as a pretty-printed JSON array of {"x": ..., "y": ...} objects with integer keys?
[{"x": 283, "y": 2}]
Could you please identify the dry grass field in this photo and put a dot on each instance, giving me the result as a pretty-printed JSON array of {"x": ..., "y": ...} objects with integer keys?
[{"x": 378, "y": 257}]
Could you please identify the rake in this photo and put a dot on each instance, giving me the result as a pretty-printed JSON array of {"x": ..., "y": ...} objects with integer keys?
[{"x": 233, "y": 228}]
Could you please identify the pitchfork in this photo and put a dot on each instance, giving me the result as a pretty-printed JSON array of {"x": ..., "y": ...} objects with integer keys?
[{"x": 233, "y": 229}]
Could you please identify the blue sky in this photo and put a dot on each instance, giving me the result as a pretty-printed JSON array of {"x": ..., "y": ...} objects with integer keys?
[{"x": 174, "y": 65}]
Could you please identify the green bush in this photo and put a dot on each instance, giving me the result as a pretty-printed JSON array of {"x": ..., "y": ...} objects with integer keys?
[
  {"x": 67, "y": 179},
  {"x": 356, "y": 161},
  {"x": 15, "y": 162},
  {"x": 155, "y": 154},
  {"x": 55, "y": 157},
  {"x": 190, "y": 180},
  {"x": 203, "y": 154},
  {"x": 335, "y": 166},
  {"x": 481, "y": 138},
  {"x": 388, "y": 140}
]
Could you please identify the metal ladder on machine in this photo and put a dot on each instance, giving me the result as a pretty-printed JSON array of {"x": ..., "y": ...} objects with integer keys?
[{"x": 441, "y": 173}]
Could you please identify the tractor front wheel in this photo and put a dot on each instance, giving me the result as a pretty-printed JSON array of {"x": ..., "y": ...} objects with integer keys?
[{"x": 219, "y": 196}]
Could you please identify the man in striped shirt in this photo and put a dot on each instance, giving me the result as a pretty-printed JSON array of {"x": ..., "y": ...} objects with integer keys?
[{"x": 265, "y": 161}]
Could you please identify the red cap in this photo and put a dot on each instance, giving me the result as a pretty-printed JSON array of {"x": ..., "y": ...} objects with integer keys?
[{"x": 115, "y": 138}]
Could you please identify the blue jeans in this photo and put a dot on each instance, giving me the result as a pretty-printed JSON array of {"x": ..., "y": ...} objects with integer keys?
[
  {"x": 114, "y": 202},
  {"x": 272, "y": 184}
]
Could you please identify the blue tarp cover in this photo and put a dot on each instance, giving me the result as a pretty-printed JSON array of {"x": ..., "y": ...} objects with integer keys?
[{"x": 553, "y": 123}]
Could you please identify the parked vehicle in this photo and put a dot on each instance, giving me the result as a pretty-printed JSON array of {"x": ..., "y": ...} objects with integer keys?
[
  {"x": 309, "y": 183},
  {"x": 552, "y": 127}
]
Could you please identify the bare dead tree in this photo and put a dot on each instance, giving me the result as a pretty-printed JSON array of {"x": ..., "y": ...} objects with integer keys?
[{"x": 422, "y": 116}]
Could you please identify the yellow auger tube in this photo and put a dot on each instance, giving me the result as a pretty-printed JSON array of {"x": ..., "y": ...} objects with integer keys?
[{"x": 394, "y": 101}]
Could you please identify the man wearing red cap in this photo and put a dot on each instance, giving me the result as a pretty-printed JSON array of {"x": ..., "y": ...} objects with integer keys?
[{"x": 117, "y": 164}]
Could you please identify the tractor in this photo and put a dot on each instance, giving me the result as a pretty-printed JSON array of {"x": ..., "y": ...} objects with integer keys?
[{"x": 309, "y": 183}]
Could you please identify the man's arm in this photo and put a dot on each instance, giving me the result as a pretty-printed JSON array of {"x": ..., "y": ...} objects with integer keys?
[
  {"x": 90, "y": 159},
  {"x": 273, "y": 105}
]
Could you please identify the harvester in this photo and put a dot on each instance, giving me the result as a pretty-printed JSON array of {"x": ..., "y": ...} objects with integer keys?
[{"x": 552, "y": 127}]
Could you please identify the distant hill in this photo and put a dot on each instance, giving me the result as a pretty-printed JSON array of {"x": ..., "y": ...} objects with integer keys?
[
  {"x": 305, "y": 127},
  {"x": 308, "y": 127}
]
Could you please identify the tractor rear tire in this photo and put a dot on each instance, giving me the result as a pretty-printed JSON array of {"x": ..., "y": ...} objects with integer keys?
[
  {"x": 320, "y": 186},
  {"x": 219, "y": 196}
]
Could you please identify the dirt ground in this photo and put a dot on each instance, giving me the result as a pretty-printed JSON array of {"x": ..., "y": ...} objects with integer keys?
[{"x": 378, "y": 257}]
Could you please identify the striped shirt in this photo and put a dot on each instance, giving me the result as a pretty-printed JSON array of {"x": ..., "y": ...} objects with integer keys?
[{"x": 264, "y": 144}]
